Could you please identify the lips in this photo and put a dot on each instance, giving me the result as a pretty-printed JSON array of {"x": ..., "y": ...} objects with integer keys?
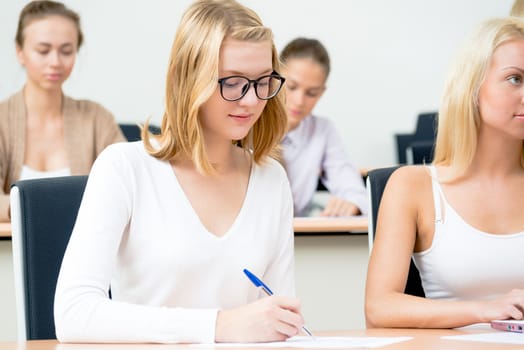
[
  {"x": 240, "y": 117},
  {"x": 294, "y": 112},
  {"x": 53, "y": 76}
]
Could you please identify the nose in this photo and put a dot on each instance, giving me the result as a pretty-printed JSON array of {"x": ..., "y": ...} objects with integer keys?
[
  {"x": 250, "y": 98},
  {"x": 54, "y": 58},
  {"x": 296, "y": 97}
]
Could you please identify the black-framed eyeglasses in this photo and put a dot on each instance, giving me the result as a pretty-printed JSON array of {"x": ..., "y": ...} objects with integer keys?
[{"x": 234, "y": 87}]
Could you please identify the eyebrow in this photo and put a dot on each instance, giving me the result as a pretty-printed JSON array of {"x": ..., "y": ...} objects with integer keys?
[
  {"x": 513, "y": 67},
  {"x": 234, "y": 72},
  {"x": 49, "y": 45},
  {"x": 320, "y": 87}
]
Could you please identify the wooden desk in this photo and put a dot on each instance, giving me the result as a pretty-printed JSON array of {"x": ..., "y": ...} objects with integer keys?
[
  {"x": 422, "y": 339},
  {"x": 320, "y": 224},
  {"x": 302, "y": 225},
  {"x": 5, "y": 229}
]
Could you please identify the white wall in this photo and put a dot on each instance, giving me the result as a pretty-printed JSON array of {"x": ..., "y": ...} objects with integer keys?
[{"x": 389, "y": 57}]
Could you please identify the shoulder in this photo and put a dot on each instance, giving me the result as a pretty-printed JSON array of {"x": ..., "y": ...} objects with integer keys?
[
  {"x": 321, "y": 122},
  {"x": 123, "y": 152},
  {"x": 270, "y": 168},
  {"x": 413, "y": 175},
  {"x": 323, "y": 127},
  {"x": 88, "y": 108},
  {"x": 271, "y": 180},
  {"x": 12, "y": 115},
  {"x": 409, "y": 182},
  {"x": 11, "y": 102},
  {"x": 313, "y": 127},
  {"x": 128, "y": 161}
]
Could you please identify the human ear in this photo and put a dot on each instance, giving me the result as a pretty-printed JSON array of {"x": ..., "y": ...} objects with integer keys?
[{"x": 20, "y": 55}]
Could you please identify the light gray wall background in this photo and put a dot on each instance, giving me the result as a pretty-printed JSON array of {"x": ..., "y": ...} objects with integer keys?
[{"x": 389, "y": 57}]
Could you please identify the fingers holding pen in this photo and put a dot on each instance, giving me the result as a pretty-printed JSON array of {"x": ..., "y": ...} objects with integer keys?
[
  {"x": 288, "y": 316},
  {"x": 273, "y": 318}
]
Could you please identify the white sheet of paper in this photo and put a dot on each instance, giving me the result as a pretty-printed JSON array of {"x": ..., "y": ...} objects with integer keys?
[
  {"x": 323, "y": 342},
  {"x": 492, "y": 337}
]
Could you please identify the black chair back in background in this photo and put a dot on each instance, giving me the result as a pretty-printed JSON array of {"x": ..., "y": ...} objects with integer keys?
[
  {"x": 376, "y": 182},
  {"x": 420, "y": 143},
  {"x": 132, "y": 131},
  {"x": 43, "y": 213},
  {"x": 420, "y": 152}
]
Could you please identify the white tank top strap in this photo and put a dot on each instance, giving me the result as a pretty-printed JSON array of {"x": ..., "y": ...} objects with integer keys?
[{"x": 437, "y": 193}]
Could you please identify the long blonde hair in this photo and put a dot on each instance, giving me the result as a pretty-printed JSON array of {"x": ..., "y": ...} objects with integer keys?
[
  {"x": 459, "y": 116},
  {"x": 192, "y": 78}
]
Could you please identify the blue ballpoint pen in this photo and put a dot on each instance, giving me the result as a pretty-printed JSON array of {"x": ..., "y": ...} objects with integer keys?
[{"x": 258, "y": 283}]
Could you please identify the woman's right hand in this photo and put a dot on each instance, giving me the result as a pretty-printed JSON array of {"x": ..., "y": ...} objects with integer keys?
[
  {"x": 509, "y": 306},
  {"x": 273, "y": 318}
]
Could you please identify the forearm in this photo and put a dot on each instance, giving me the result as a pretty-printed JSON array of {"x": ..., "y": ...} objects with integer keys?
[
  {"x": 4, "y": 208},
  {"x": 86, "y": 317},
  {"x": 400, "y": 310}
]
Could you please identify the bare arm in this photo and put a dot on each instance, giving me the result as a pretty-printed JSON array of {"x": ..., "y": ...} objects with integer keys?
[{"x": 403, "y": 224}]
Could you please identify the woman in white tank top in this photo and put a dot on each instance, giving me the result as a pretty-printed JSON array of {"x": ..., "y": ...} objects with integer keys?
[{"x": 461, "y": 218}]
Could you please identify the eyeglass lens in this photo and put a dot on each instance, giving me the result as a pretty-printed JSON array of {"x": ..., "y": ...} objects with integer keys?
[{"x": 234, "y": 88}]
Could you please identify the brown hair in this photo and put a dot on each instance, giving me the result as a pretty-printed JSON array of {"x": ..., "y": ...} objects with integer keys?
[
  {"x": 42, "y": 9},
  {"x": 307, "y": 48}
]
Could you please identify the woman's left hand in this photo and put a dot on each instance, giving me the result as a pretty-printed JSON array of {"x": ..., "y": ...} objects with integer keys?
[{"x": 339, "y": 207}]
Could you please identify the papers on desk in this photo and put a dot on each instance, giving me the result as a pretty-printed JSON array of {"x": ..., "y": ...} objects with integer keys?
[
  {"x": 322, "y": 342},
  {"x": 492, "y": 337}
]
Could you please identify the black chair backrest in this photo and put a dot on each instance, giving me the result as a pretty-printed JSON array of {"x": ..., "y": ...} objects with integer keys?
[
  {"x": 47, "y": 213},
  {"x": 425, "y": 130},
  {"x": 377, "y": 180},
  {"x": 420, "y": 152},
  {"x": 132, "y": 131}
]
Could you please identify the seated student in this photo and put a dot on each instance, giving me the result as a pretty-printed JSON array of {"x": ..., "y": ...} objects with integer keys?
[
  {"x": 461, "y": 217},
  {"x": 312, "y": 147},
  {"x": 43, "y": 132},
  {"x": 169, "y": 223}
]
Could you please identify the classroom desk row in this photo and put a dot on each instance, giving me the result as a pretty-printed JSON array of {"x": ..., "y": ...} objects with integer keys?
[
  {"x": 357, "y": 224},
  {"x": 420, "y": 339}
]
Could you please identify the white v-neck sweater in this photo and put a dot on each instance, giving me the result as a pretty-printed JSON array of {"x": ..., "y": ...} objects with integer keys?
[{"x": 137, "y": 232}]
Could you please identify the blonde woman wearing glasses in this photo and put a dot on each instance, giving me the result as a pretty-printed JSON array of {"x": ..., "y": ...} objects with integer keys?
[{"x": 170, "y": 223}]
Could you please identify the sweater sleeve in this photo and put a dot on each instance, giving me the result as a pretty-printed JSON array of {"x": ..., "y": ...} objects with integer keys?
[
  {"x": 281, "y": 271},
  {"x": 107, "y": 129},
  {"x": 83, "y": 311},
  {"x": 4, "y": 194},
  {"x": 4, "y": 166}
]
